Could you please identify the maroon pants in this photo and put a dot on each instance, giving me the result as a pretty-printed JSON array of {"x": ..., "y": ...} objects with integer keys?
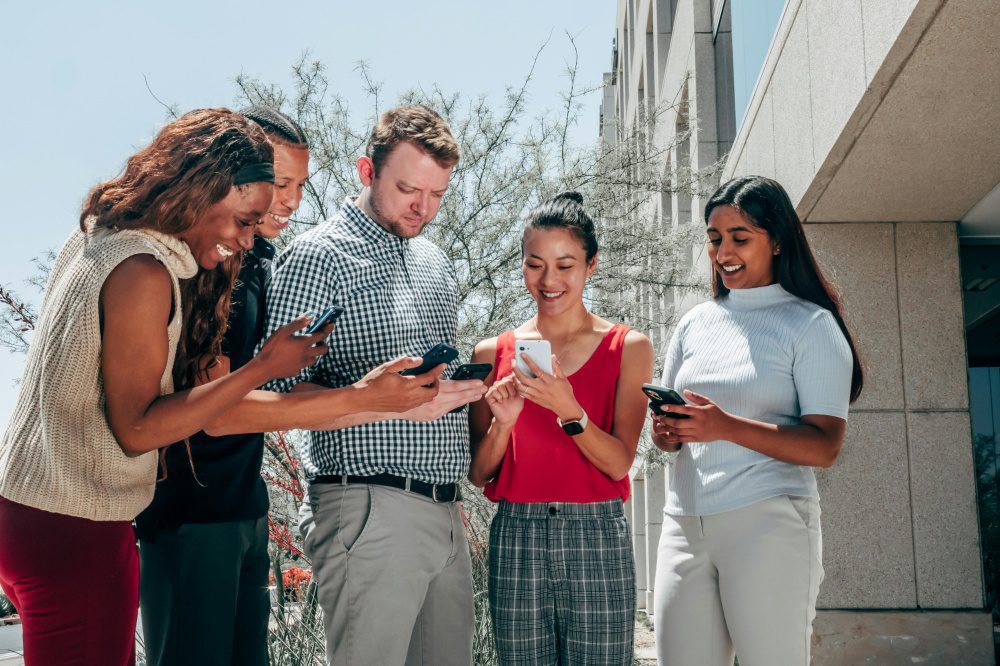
[{"x": 75, "y": 583}]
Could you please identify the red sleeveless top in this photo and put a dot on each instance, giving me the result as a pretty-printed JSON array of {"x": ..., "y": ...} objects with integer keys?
[{"x": 543, "y": 463}]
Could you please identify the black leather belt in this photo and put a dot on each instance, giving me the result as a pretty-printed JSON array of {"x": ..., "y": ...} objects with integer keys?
[{"x": 445, "y": 492}]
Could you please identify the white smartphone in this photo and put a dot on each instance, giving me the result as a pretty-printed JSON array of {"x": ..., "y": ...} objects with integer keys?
[{"x": 540, "y": 352}]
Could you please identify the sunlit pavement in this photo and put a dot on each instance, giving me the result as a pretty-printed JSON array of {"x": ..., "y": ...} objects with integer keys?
[{"x": 10, "y": 645}]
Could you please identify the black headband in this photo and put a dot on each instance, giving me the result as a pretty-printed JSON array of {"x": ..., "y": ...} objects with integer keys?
[{"x": 262, "y": 172}]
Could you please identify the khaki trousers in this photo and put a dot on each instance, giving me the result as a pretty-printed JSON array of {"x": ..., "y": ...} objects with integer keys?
[
  {"x": 393, "y": 573},
  {"x": 744, "y": 582}
]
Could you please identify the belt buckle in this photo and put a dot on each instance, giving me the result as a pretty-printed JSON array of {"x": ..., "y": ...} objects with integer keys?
[{"x": 434, "y": 493}]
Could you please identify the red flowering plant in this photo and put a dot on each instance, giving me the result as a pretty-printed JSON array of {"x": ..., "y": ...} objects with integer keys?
[{"x": 296, "y": 632}]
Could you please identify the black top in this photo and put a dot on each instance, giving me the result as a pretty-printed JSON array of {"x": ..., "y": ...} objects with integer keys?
[{"x": 228, "y": 467}]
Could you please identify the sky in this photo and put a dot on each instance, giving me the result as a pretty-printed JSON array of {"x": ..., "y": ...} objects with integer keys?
[{"x": 75, "y": 102}]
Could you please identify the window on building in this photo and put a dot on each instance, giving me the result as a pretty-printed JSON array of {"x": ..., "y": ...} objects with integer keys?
[{"x": 754, "y": 23}]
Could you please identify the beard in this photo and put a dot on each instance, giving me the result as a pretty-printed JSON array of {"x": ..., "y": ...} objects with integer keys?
[{"x": 384, "y": 220}]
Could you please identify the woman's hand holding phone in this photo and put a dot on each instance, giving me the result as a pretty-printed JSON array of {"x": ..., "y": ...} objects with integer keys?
[
  {"x": 389, "y": 391},
  {"x": 286, "y": 352},
  {"x": 551, "y": 391},
  {"x": 700, "y": 421}
]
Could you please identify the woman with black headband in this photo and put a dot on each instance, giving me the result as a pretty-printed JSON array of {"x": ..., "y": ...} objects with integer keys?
[{"x": 136, "y": 302}]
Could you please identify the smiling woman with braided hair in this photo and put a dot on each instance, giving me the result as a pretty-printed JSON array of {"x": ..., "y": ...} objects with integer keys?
[
  {"x": 203, "y": 540},
  {"x": 135, "y": 307}
]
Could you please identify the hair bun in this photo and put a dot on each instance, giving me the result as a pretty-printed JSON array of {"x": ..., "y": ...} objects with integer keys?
[{"x": 573, "y": 196}]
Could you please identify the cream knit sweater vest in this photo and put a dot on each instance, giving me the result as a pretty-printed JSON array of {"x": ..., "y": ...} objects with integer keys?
[{"x": 59, "y": 453}]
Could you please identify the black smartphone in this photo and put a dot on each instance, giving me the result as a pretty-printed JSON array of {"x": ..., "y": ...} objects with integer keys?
[
  {"x": 660, "y": 395},
  {"x": 328, "y": 316},
  {"x": 478, "y": 371},
  {"x": 436, "y": 355}
]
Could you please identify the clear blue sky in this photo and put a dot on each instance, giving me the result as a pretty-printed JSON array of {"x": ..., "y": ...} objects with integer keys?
[{"x": 75, "y": 105}]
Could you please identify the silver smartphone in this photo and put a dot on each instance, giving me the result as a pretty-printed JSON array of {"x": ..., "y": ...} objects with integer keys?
[{"x": 540, "y": 352}]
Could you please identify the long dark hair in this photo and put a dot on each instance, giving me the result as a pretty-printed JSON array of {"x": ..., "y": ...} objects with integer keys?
[
  {"x": 168, "y": 186},
  {"x": 766, "y": 205}
]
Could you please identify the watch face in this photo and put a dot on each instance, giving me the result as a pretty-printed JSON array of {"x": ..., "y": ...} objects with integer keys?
[{"x": 572, "y": 428}]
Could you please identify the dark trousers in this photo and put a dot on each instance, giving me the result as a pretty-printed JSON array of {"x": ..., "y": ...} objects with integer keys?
[
  {"x": 75, "y": 584},
  {"x": 203, "y": 594}
]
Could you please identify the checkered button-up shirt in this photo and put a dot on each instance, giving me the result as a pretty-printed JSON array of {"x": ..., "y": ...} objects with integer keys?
[{"x": 401, "y": 298}]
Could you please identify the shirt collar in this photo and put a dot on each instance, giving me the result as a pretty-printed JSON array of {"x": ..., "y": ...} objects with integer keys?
[
  {"x": 758, "y": 297},
  {"x": 263, "y": 248},
  {"x": 368, "y": 228}
]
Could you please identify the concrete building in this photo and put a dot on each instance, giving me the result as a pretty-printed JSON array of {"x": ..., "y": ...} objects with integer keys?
[{"x": 880, "y": 118}]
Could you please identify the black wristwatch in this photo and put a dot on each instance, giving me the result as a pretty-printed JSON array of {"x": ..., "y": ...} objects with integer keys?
[{"x": 572, "y": 428}]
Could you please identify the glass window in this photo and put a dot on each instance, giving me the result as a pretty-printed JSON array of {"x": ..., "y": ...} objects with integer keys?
[{"x": 753, "y": 23}]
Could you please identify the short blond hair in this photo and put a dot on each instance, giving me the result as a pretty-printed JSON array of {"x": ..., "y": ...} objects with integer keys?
[{"x": 417, "y": 124}]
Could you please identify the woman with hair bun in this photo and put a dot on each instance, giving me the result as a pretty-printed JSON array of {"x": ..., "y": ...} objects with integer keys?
[
  {"x": 768, "y": 368},
  {"x": 554, "y": 449}
]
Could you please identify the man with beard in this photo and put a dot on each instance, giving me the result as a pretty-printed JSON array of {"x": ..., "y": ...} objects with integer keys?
[{"x": 382, "y": 524}]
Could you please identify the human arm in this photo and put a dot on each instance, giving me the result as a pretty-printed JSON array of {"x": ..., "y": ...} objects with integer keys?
[
  {"x": 611, "y": 452},
  {"x": 450, "y": 395},
  {"x": 814, "y": 442},
  {"x": 136, "y": 301},
  {"x": 492, "y": 420},
  {"x": 821, "y": 371}
]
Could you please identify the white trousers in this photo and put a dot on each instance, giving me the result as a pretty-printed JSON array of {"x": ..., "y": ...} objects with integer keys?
[{"x": 742, "y": 582}]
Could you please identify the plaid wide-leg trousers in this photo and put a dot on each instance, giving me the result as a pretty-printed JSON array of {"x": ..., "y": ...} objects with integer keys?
[{"x": 562, "y": 583}]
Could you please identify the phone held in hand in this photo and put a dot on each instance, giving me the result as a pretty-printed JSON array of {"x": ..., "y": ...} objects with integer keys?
[
  {"x": 436, "y": 355},
  {"x": 540, "y": 352},
  {"x": 660, "y": 396},
  {"x": 465, "y": 371},
  {"x": 328, "y": 316},
  {"x": 478, "y": 371}
]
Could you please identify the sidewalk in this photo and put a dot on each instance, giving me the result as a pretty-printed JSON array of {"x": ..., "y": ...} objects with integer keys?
[{"x": 10, "y": 645}]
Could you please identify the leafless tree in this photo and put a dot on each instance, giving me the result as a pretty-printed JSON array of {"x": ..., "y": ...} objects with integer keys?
[{"x": 511, "y": 161}]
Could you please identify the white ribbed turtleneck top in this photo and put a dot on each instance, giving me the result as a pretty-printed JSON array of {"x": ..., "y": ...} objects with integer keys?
[{"x": 761, "y": 354}]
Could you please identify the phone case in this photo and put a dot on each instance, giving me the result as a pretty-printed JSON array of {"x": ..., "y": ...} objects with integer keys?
[
  {"x": 332, "y": 313},
  {"x": 439, "y": 353},
  {"x": 472, "y": 371},
  {"x": 660, "y": 396},
  {"x": 540, "y": 352}
]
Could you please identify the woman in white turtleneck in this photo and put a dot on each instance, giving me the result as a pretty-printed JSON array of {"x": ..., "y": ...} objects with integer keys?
[{"x": 768, "y": 368}]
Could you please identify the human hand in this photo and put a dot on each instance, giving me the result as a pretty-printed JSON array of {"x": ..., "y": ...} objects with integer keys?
[
  {"x": 663, "y": 438},
  {"x": 554, "y": 392},
  {"x": 286, "y": 352},
  {"x": 388, "y": 391},
  {"x": 451, "y": 394},
  {"x": 705, "y": 422},
  {"x": 504, "y": 401}
]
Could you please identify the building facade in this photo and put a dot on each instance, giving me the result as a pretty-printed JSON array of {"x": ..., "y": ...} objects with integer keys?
[{"x": 880, "y": 118}]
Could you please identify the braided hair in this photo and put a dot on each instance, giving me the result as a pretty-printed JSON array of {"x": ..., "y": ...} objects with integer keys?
[{"x": 278, "y": 126}]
